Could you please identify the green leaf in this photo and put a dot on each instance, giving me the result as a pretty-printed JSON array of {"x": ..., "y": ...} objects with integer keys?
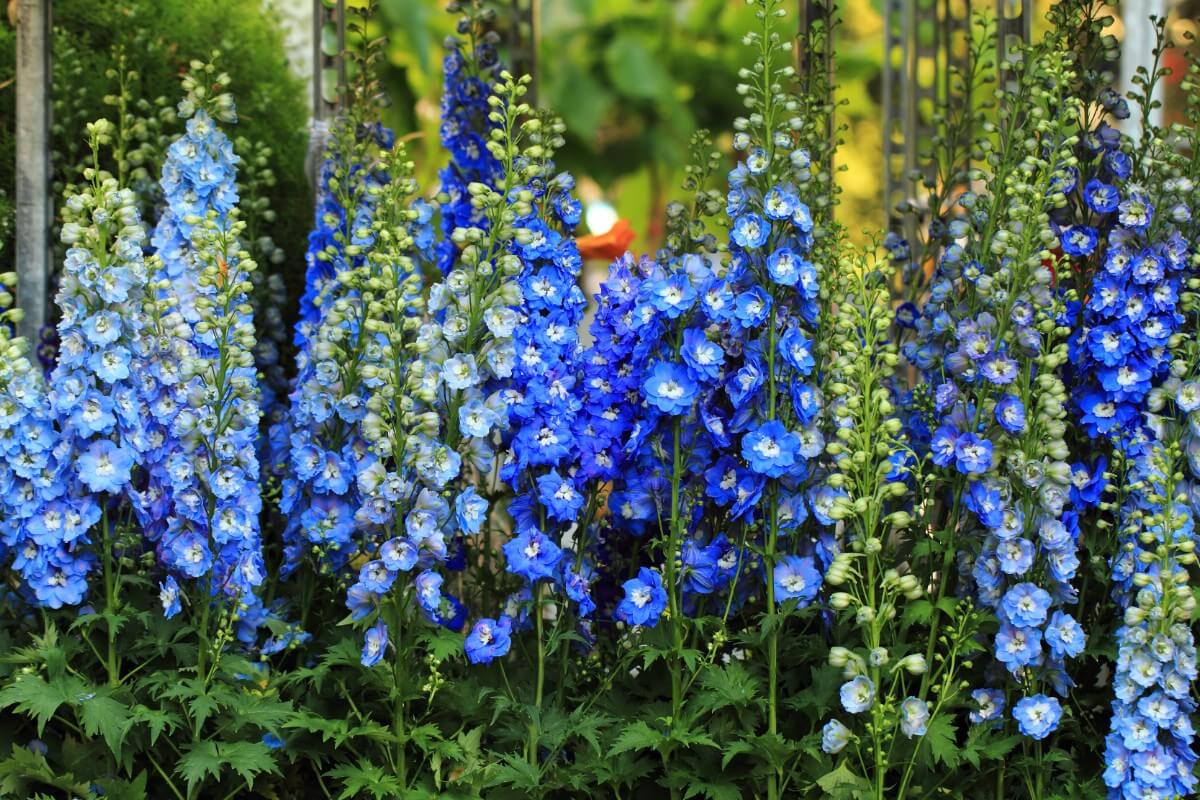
[
  {"x": 731, "y": 685},
  {"x": 917, "y": 612},
  {"x": 156, "y": 720},
  {"x": 635, "y": 71},
  {"x": 713, "y": 790},
  {"x": 247, "y": 759},
  {"x": 262, "y": 713},
  {"x": 106, "y": 716},
  {"x": 200, "y": 760},
  {"x": 442, "y": 644},
  {"x": 29, "y": 694},
  {"x": 843, "y": 783},
  {"x": 942, "y": 738},
  {"x": 24, "y": 767},
  {"x": 517, "y": 773},
  {"x": 735, "y": 749},
  {"x": 637, "y": 736},
  {"x": 364, "y": 778}
]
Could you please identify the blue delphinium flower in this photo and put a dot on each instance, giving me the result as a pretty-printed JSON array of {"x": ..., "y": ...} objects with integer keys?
[
  {"x": 489, "y": 639},
  {"x": 834, "y": 737},
  {"x": 375, "y": 644},
  {"x": 72, "y": 445},
  {"x": 914, "y": 717},
  {"x": 329, "y": 399},
  {"x": 670, "y": 389},
  {"x": 1150, "y": 747},
  {"x": 770, "y": 449},
  {"x": 796, "y": 578},
  {"x": 857, "y": 694},
  {"x": 199, "y": 175},
  {"x": 645, "y": 599},
  {"x": 203, "y": 499},
  {"x": 989, "y": 705},
  {"x": 1037, "y": 716},
  {"x": 466, "y": 127},
  {"x": 991, "y": 339},
  {"x": 532, "y": 555}
]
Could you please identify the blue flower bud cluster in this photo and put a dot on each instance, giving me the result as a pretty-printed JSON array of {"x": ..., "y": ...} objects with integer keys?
[{"x": 72, "y": 443}]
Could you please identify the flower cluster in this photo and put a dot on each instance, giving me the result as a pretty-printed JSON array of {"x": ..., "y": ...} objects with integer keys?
[
  {"x": 1149, "y": 750},
  {"x": 199, "y": 175},
  {"x": 73, "y": 446},
  {"x": 1131, "y": 307},
  {"x": 873, "y": 476},
  {"x": 329, "y": 398},
  {"x": 544, "y": 399},
  {"x": 434, "y": 420},
  {"x": 200, "y": 500},
  {"x": 469, "y": 70}
]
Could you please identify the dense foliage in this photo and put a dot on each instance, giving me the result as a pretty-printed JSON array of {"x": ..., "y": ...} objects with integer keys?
[
  {"x": 775, "y": 517},
  {"x": 147, "y": 43}
]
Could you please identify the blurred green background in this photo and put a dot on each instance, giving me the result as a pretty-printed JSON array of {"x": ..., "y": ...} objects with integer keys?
[{"x": 633, "y": 79}]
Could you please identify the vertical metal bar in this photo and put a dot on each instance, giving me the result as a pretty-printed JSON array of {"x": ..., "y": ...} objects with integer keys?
[
  {"x": 1013, "y": 28},
  {"x": 1137, "y": 50},
  {"x": 340, "y": 56},
  {"x": 819, "y": 16},
  {"x": 33, "y": 164},
  {"x": 318, "y": 58},
  {"x": 523, "y": 44}
]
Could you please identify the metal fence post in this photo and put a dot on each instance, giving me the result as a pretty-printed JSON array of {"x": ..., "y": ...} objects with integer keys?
[{"x": 33, "y": 164}]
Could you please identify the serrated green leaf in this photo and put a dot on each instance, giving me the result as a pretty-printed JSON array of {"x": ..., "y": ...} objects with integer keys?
[
  {"x": 729, "y": 685},
  {"x": 200, "y": 761},
  {"x": 248, "y": 759},
  {"x": 735, "y": 749},
  {"x": 424, "y": 736},
  {"x": 714, "y": 790},
  {"x": 106, "y": 716},
  {"x": 156, "y": 720},
  {"x": 516, "y": 773},
  {"x": 30, "y": 694},
  {"x": 24, "y": 767},
  {"x": 637, "y": 736},
  {"x": 841, "y": 782},
  {"x": 942, "y": 739}
]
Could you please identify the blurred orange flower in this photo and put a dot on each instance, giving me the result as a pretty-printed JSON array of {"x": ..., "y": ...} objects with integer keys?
[{"x": 607, "y": 246}]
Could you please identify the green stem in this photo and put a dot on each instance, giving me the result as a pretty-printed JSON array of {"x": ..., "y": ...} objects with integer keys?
[
  {"x": 776, "y": 776},
  {"x": 948, "y": 554},
  {"x": 400, "y": 703},
  {"x": 112, "y": 663},
  {"x": 673, "y": 593},
  {"x": 535, "y": 720}
]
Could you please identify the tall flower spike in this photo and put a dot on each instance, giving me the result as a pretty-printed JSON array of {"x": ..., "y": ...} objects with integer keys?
[
  {"x": 199, "y": 175},
  {"x": 320, "y": 495},
  {"x": 203, "y": 499},
  {"x": 469, "y": 69},
  {"x": 29, "y": 471},
  {"x": 1149, "y": 751},
  {"x": 214, "y": 531},
  {"x": 546, "y": 379},
  {"x": 990, "y": 340},
  {"x": 82, "y": 441}
]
